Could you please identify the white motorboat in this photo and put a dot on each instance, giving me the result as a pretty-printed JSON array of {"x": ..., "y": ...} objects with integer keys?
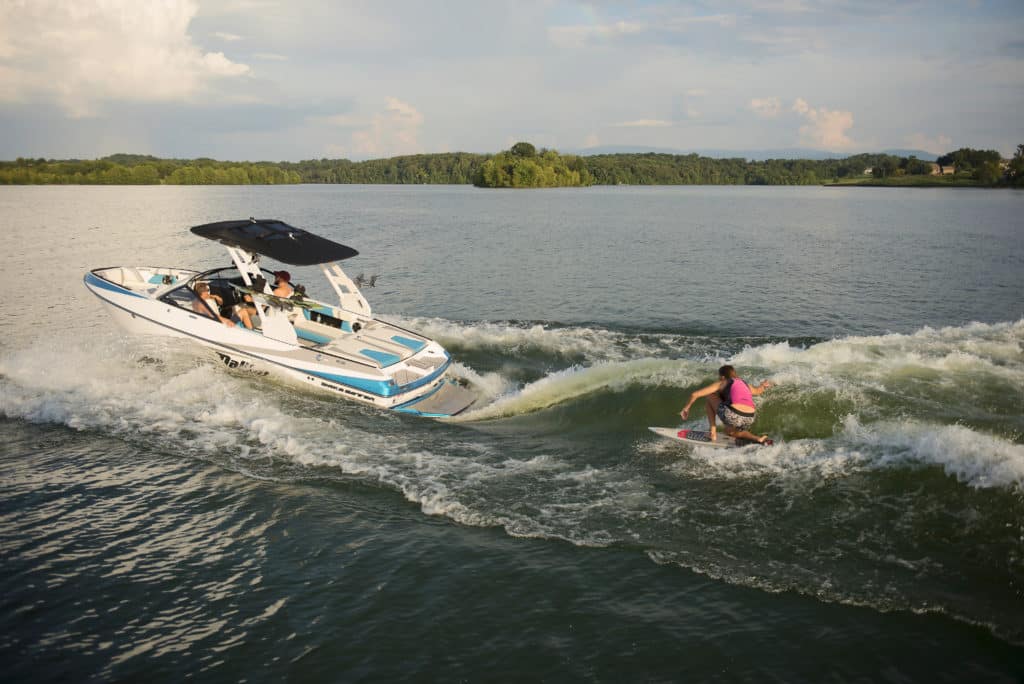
[{"x": 340, "y": 348}]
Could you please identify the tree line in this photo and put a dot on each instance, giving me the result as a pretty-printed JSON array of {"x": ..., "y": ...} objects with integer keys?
[
  {"x": 135, "y": 169},
  {"x": 520, "y": 166}
]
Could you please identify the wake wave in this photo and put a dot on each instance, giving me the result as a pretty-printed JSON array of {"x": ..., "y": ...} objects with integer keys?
[
  {"x": 577, "y": 381},
  {"x": 82, "y": 389},
  {"x": 992, "y": 349},
  {"x": 591, "y": 344},
  {"x": 611, "y": 490}
]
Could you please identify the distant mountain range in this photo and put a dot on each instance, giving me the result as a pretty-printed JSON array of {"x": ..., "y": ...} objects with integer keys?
[{"x": 755, "y": 155}]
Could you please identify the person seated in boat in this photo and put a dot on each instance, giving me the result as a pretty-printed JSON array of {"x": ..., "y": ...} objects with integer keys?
[
  {"x": 208, "y": 299},
  {"x": 242, "y": 314},
  {"x": 732, "y": 400},
  {"x": 283, "y": 285},
  {"x": 245, "y": 309},
  {"x": 245, "y": 312}
]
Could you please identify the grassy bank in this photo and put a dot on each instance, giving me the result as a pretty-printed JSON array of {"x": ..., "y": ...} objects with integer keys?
[{"x": 908, "y": 182}]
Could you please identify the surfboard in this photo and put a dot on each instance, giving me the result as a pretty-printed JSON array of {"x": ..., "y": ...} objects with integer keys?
[
  {"x": 703, "y": 438},
  {"x": 280, "y": 302}
]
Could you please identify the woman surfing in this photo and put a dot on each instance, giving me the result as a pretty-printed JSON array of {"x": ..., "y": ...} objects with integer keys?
[{"x": 732, "y": 400}]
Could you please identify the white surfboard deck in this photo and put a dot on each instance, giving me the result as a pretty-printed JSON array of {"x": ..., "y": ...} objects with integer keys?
[{"x": 702, "y": 438}]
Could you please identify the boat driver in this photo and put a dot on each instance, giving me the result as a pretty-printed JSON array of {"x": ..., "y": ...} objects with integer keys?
[{"x": 213, "y": 301}]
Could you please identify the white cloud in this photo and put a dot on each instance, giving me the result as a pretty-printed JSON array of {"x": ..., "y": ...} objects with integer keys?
[
  {"x": 766, "y": 107},
  {"x": 394, "y": 132},
  {"x": 217, "y": 64},
  {"x": 84, "y": 53},
  {"x": 342, "y": 120},
  {"x": 685, "y": 23},
  {"x": 787, "y": 39},
  {"x": 824, "y": 128},
  {"x": 229, "y": 37},
  {"x": 271, "y": 56},
  {"x": 580, "y": 35},
  {"x": 938, "y": 145},
  {"x": 780, "y": 6},
  {"x": 644, "y": 123}
]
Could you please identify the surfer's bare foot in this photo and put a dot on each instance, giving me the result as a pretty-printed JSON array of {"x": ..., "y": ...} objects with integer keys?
[
  {"x": 714, "y": 434},
  {"x": 762, "y": 439}
]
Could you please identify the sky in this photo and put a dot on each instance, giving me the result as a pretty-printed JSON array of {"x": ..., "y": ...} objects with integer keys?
[{"x": 287, "y": 80}]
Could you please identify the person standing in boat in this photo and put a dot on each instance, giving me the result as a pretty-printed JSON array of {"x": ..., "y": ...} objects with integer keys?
[{"x": 732, "y": 400}]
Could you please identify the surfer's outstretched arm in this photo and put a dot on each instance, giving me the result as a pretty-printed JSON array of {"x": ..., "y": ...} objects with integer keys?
[
  {"x": 711, "y": 405},
  {"x": 760, "y": 388},
  {"x": 707, "y": 391}
]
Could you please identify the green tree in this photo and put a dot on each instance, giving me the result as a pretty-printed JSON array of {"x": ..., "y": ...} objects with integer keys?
[
  {"x": 884, "y": 168},
  {"x": 1015, "y": 171},
  {"x": 915, "y": 167},
  {"x": 989, "y": 173},
  {"x": 966, "y": 159},
  {"x": 523, "y": 149}
]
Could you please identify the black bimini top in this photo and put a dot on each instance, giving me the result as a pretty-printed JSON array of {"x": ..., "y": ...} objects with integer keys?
[{"x": 277, "y": 240}]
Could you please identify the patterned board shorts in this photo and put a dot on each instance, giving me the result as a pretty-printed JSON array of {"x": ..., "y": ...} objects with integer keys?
[{"x": 734, "y": 419}]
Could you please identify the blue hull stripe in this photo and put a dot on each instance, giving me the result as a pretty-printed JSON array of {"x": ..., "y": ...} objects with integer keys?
[
  {"x": 379, "y": 387},
  {"x": 102, "y": 284},
  {"x": 382, "y": 388}
]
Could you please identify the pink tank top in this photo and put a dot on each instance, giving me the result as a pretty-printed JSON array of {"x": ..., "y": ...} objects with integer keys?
[{"x": 739, "y": 393}]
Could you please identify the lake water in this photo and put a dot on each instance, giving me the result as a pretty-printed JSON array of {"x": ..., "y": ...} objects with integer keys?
[{"x": 164, "y": 517}]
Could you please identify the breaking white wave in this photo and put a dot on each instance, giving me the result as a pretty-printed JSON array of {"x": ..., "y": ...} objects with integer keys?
[
  {"x": 940, "y": 354},
  {"x": 191, "y": 405},
  {"x": 590, "y": 343},
  {"x": 973, "y": 458},
  {"x": 488, "y": 386}
]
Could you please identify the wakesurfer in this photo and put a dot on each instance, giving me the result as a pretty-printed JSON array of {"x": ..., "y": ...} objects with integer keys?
[{"x": 732, "y": 400}]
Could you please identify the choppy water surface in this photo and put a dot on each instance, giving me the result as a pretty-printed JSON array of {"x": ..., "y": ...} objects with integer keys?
[{"x": 164, "y": 516}]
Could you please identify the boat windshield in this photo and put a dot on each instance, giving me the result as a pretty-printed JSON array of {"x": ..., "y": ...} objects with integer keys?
[{"x": 186, "y": 298}]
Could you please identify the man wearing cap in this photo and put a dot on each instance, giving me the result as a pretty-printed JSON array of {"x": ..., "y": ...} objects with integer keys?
[{"x": 283, "y": 286}]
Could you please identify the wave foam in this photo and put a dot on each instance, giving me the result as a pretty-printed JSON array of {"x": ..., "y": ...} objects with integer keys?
[
  {"x": 590, "y": 343},
  {"x": 978, "y": 347},
  {"x": 973, "y": 458},
  {"x": 976, "y": 459}
]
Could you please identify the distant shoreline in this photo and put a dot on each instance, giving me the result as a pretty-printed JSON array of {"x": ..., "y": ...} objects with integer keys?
[
  {"x": 523, "y": 169},
  {"x": 882, "y": 184}
]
